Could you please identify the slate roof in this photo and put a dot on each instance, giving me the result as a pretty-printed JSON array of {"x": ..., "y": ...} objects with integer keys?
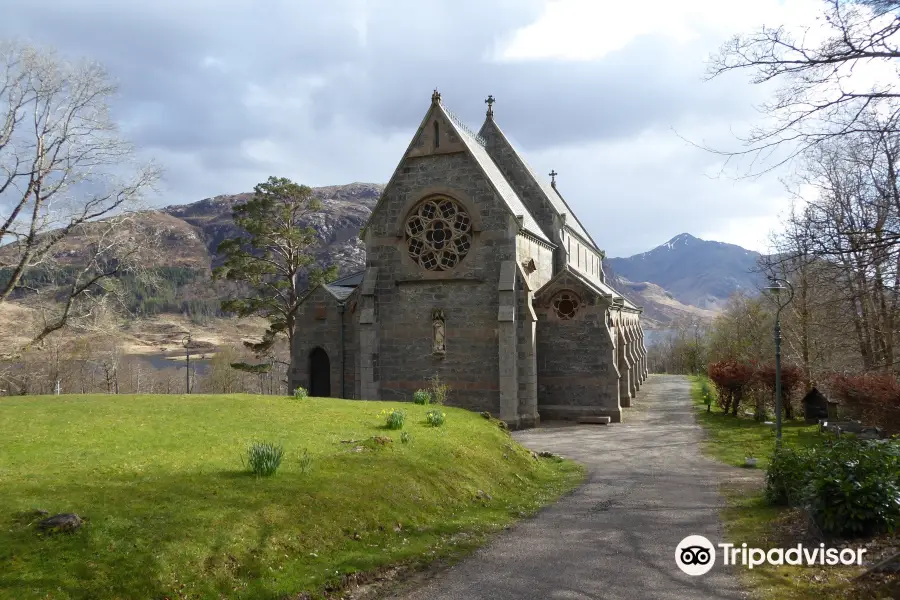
[
  {"x": 550, "y": 193},
  {"x": 597, "y": 286},
  {"x": 343, "y": 287},
  {"x": 339, "y": 291},
  {"x": 475, "y": 145},
  {"x": 351, "y": 280},
  {"x": 608, "y": 289},
  {"x": 562, "y": 207}
]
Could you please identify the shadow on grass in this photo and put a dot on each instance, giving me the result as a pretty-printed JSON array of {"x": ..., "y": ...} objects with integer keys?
[
  {"x": 144, "y": 537},
  {"x": 232, "y": 474},
  {"x": 229, "y": 534}
]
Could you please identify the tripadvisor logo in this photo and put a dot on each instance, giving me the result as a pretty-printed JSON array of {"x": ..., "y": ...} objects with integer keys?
[{"x": 696, "y": 555}]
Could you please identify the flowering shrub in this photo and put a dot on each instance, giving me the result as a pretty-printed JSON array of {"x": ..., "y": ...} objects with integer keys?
[
  {"x": 422, "y": 397},
  {"x": 435, "y": 418},
  {"x": 394, "y": 419}
]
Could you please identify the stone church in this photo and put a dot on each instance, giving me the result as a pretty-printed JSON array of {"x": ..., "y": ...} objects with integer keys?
[{"x": 477, "y": 271}]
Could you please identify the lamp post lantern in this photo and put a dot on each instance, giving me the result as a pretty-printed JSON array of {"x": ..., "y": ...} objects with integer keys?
[
  {"x": 186, "y": 342},
  {"x": 777, "y": 287}
]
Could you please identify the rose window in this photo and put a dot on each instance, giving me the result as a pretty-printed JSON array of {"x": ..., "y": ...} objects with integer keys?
[
  {"x": 438, "y": 234},
  {"x": 565, "y": 304}
]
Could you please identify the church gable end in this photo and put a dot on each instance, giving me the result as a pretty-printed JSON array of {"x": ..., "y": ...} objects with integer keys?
[
  {"x": 442, "y": 134},
  {"x": 576, "y": 374},
  {"x": 435, "y": 136},
  {"x": 438, "y": 238},
  {"x": 455, "y": 248}
]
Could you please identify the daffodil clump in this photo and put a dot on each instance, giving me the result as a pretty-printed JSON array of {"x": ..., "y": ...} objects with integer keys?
[
  {"x": 393, "y": 419},
  {"x": 435, "y": 418}
]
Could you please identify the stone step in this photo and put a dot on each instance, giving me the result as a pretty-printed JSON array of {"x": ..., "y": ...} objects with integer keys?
[{"x": 594, "y": 420}]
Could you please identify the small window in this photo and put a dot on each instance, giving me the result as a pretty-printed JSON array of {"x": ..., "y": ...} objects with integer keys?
[
  {"x": 566, "y": 304},
  {"x": 437, "y": 135}
]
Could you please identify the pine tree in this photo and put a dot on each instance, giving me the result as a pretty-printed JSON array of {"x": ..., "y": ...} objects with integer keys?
[{"x": 272, "y": 256}]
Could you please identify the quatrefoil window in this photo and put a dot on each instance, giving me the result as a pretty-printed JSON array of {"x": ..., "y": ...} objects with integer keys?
[
  {"x": 438, "y": 233},
  {"x": 566, "y": 304}
]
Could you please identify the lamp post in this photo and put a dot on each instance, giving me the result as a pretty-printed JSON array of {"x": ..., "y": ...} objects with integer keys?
[
  {"x": 186, "y": 342},
  {"x": 776, "y": 288}
]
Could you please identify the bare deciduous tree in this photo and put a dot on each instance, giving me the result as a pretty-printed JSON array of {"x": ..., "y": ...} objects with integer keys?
[
  {"x": 822, "y": 94},
  {"x": 844, "y": 243},
  {"x": 65, "y": 171}
]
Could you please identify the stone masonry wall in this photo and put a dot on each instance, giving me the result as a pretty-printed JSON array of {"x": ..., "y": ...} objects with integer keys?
[
  {"x": 583, "y": 259},
  {"x": 528, "y": 248},
  {"x": 406, "y": 294},
  {"x": 319, "y": 325},
  {"x": 351, "y": 346},
  {"x": 526, "y": 358},
  {"x": 576, "y": 375}
]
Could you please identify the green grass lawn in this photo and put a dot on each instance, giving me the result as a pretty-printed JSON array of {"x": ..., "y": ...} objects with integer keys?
[
  {"x": 749, "y": 519},
  {"x": 172, "y": 513},
  {"x": 733, "y": 439}
]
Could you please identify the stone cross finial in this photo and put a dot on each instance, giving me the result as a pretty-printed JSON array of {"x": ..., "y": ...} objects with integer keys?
[
  {"x": 435, "y": 97},
  {"x": 553, "y": 175},
  {"x": 490, "y": 102}
]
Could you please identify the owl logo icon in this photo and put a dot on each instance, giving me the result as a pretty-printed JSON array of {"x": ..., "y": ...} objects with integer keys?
[{"x": 695, "y": 555}]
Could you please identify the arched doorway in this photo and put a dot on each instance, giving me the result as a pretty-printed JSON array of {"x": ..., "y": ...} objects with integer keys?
[{"x": 319, "y": 373}]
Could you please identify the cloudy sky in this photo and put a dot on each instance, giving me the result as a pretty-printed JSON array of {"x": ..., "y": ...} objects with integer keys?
[{"x": 224, "y": 93}]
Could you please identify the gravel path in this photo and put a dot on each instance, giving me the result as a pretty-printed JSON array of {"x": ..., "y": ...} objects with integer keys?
[{"x": 648, "y": 487}]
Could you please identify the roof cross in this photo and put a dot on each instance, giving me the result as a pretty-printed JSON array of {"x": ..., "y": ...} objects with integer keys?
[
  {"x": 490, "y": 102},
  {"x": 553, "y": 175}
]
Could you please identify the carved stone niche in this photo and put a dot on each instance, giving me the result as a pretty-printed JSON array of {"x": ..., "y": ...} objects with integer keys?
[
  {"x": 438, "y": 346},
  {"x": 528, "y": 266}
]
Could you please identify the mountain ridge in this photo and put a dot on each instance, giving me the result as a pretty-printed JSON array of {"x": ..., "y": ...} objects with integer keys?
[
  {"x": 697, "y": 272},
  {"x": 685, "y": 276}
]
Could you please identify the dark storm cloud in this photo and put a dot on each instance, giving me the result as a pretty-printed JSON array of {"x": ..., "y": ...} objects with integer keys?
[
  {"x": 226, "y": 93},
  {"x": 157, "y": 52}
]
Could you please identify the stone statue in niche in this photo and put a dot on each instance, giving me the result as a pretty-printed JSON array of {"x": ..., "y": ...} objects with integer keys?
[{"x": 437, "y": 326}]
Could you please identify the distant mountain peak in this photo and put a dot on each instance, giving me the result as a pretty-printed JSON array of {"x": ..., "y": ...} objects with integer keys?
[
  {"x": 696, "y": 272},
  {"x": 682, "y": 239}
]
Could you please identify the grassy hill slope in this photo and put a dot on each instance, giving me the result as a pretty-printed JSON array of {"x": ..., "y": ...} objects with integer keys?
[{"x": 172, "y": 513}]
